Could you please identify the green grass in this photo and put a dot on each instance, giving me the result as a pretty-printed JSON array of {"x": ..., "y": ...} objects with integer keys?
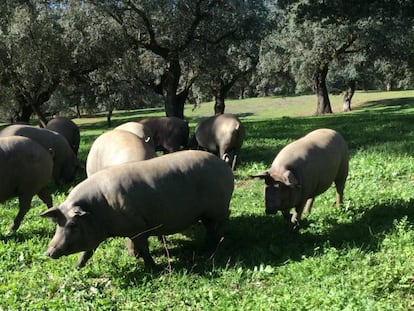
[{"x": 358, "y": 257}]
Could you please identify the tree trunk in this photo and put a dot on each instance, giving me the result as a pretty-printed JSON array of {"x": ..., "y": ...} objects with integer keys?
[
  {"x": 219, "y": 105},
  {"x": 25, "y": 113},
  {"x": 321, "y": 91},
  {"x": 388, "y": 86},
  {"x": 109, "y": 115},
  {"x": 78, "y": 113},
  {"x": 39, "y": 114},
  {"x": 174, "y": 105},
  {"x": 241, "y": 93},
  {"x": 348, "y": 96}
]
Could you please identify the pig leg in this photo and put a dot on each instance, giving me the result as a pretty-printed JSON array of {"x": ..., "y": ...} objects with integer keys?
[
  {"x": 139, "y": 247},
  {"x": 292, "y": 219},
  {"x": 308, "y": 206},
  {"x": 84, "y": 257},
  {"x": 339, "y": 185},
  {"x": 24, "y": 205},
  {"x": 214, "y": 231},
  {"x": 340, "y": 182},
  {"x": 45, "y": 196},
  {"x": 233, "y": 165}
]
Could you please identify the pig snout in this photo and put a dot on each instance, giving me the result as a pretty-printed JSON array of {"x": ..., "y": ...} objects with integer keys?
[
  {"x": 272, "y": 201},
  {"x": 53, "y": 252}
]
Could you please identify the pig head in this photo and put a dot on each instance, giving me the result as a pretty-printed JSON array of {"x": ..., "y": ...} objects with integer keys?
[{"x": 75, "y": 231}]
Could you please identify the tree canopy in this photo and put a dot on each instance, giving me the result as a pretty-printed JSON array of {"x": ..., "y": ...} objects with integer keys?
[{"x": 101, "y": 54}]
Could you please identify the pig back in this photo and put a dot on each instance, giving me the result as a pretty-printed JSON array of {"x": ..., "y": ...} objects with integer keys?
[
  {"x": 170, "y": 192},
  {"x": 68, "y": 129},
  {"x": 316, "y": 160},
  {"x": 220, "y": 130},
  {"x": 168, "y": 133},
  {"x": 25, "y": 166},
  {"x": 142, "y": 131},
  {"x": 64, "y": 160},
  {"x": 117, "y": 147}
]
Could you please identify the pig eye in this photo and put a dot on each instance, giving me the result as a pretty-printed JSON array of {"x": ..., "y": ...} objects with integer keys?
[{"x": 72, "y": 225}]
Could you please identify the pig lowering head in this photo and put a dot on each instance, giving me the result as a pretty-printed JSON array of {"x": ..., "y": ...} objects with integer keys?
[
  {"x": 135, "y": 200},
  {"x": 74, "y": 231},
  {"x": 221, "y": 135},
  {"x": 281, "y": 191},
  {"x": 303, "y": 170}
]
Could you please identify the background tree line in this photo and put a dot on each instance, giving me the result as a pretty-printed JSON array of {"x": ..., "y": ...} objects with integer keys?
[{"x": 98, "y": 55}]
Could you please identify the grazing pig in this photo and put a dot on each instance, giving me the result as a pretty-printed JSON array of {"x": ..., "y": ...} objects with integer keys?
[
  {"x": 168, "y": 133},
  {"x": 117, "y": 147},
  {"x": 65, "y": 162},
  {"x": 160, "y": 196},
  {"x": 26, "y": 169},
  {"x": 222, "y": 135},
  {"x": 304, "y": 169},
  {"x": 68, "y": 129}
]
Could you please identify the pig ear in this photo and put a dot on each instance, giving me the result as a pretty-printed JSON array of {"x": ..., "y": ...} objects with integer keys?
[
  {"x": 262, "y": 175},
  {"x": 52, "y": 212},
  {"x": 266, "y": 176},
  {"x": 290, "y": 180}
]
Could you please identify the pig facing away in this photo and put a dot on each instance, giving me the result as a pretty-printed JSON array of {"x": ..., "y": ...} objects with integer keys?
[
  {"x": 136, "y": 128},
  {"x": 304, "y": 169},
  {"x": 169, "y": 133},
  {"x": 117, "y": 147},
  {"x": 26, "y": 169},
  {"x": 68, "y": 129},
  {"x": 222, "y": 135},
  {"x": 160, "y": 196},
  {"x": 65, "y": 162}
]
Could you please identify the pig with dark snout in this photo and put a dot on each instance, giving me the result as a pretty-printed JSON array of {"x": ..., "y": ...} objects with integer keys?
[
  {"x": 170, "y": 134},
  {"x": 65, "y": 162},
  {"x": 117, "y": 147},
  {"x": 304, "y": 169},
  {"x": 222, "y": 135},
  {"x": 159, "y": 196},
  {"x": 68, "y": 129},
  {"x": 26, "y": 169}
]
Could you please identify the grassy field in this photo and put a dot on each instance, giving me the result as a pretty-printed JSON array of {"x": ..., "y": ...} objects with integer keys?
[{"x": 358, "y": 257}]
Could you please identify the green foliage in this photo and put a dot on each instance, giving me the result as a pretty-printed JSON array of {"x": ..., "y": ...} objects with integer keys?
[{"x": 357, "y": 257}]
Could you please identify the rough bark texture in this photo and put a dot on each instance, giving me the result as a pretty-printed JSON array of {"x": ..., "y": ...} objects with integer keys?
[
  {"x": 321, "y": 91},
  {"x": 219, "y": 105},
  {"x": 348, "y": 96}
]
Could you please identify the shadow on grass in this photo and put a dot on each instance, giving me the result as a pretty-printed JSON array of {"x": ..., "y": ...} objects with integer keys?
[
  {"x": 361, "y": 130},
  {"x": 20, "y": 237},
  {"x": 251, "y": 241},
  {"x": 390, "y": 105}
]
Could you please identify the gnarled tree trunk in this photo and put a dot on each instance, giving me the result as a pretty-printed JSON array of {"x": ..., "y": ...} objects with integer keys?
[
  {"x": 348, "y": 96},
  {"x": 321, "y": 91},
  {"x": 174, "y": 104},
  {"x": 219, "y": 105}
]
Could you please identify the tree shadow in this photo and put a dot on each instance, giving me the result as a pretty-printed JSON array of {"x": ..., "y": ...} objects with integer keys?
[
  {"x": 254, "y": 240},
  {"x": 389, "y": 105}
]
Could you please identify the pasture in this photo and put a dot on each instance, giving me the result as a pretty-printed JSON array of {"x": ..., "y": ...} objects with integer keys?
[{"x": 357, "y": 257}]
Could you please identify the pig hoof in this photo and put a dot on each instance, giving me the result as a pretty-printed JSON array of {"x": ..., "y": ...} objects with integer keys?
[{"x": 295, "y": 228}]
